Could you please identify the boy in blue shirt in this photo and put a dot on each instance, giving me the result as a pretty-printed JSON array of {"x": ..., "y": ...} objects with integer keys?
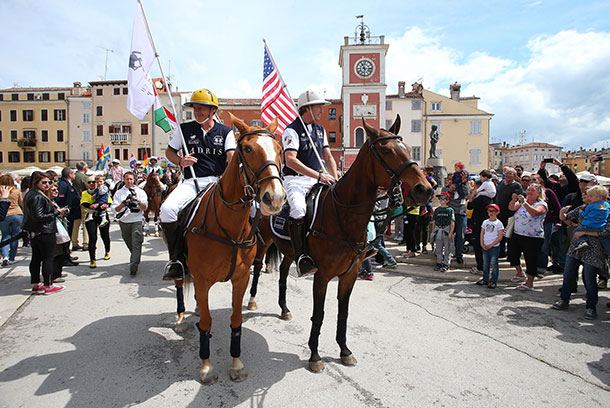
[{"x": 594, "y": 216}]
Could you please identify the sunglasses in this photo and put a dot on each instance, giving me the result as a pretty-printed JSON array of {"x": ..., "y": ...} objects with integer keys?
[
  {"x": 525, "y": 179},
  {"x": 90, "y": 182},
  {"x": 54, "y": 189},
  {"x": 442, "y": 198},
  {"x": 45, "y": 182}
]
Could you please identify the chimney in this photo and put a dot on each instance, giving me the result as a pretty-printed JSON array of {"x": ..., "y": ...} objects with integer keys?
[
  {"x": 455, "y": 91},
  {"x": 401, "y": 89},
  {"x": 76, "y": 89}
]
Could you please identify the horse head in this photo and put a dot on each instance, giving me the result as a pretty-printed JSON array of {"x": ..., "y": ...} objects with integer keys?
[
  {"x": 259, "y": 156},
  {"x": 393, "y": 162}
]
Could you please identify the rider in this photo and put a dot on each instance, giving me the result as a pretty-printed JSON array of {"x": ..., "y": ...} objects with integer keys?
[
  {"x": 153, "y": 166},
  {"x": 211, "y": 146},
  {"x": 303, "y": 169}
]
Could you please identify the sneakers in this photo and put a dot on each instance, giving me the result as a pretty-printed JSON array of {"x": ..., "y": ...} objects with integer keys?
[
  {"x": 475, "y": 271},
  {"x": 560, "y": 305},
  {"x": 517, "y": 278},
  {"x": 590, "y": 314},
  {"x": 104, "y": 222},
  {"x": 52, "y": 289},
  {"x": 444, "y": 268},
  {"x": 583, "y": 244},
  {"x": 107, "y": 256},
  {"x": 366, "y": 275},
  {"x": 4, "y": 261},
  {"x": 14, "y": 261},
  {"x": 38, "y": 289},
  {"x": 76, "y": 247},
  {"x": 492, "y": 285},
  {"x": 59, "y": 280},
  {"x": 459, "y": 260},
  {"x": 438, "y": 267},
  {"x": 133, "y": 269},
  {"x": 482, "y": 282},
  {"x": 601, "y": 283},
  {"x": 390, "y": 265},
  {"x": 92, "y": 264}
]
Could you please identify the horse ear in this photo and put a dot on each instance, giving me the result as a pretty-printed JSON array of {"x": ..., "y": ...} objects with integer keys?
[
  {"x": 370, "y": 131},
  {"x": 239, "y": 124},
  {"x": 272, "y": 126},
  {"x": 395, "y": 128}
]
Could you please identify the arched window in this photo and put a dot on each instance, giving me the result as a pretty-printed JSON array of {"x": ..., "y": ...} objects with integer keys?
[{"x": 359, "y": 133}]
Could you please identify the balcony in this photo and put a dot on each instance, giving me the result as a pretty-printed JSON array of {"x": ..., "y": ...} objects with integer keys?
[
  {"x": 120, "y": 138},
  {"x": 27, "y": 144}
]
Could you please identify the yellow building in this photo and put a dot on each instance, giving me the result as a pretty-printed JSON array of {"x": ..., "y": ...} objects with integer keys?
[
  {"x": 593, "y": 161},
  {"x": 34, "y": 127},
  {"x": 463, "y": 129}
]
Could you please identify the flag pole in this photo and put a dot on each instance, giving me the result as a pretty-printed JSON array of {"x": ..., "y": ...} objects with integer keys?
[
  {"x": 169, "y": 92},
  {"x": 322, "y": 165}
]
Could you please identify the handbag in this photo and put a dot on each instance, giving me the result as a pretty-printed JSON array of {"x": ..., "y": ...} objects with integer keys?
[
  {"x": 510, "y": 226},
  {"x": 61, "y": 236}
]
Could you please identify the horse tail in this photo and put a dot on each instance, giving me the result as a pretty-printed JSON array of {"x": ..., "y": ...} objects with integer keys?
[
  {"x": 273, "y": 257},
  {"x": 189, "y": 285}
]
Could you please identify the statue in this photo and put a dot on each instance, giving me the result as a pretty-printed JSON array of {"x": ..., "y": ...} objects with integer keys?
[{"x": 433, "y": 142}]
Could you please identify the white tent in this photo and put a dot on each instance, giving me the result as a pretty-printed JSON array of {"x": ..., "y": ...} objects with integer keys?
[
  {"x": 26, "y": 171},
  {"x": 600, "y": 179}
]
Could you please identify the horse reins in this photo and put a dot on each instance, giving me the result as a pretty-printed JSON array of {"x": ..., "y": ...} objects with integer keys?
[{"x": 252, "y": 185}]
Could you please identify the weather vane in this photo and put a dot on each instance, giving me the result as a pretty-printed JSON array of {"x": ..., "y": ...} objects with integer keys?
[{"x": 362, "y": 32}]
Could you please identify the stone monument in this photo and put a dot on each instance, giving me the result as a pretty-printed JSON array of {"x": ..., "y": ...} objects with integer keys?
[{"x": 440, "y": 172}]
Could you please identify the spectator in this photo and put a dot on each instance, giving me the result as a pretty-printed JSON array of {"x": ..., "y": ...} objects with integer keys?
[
  {"x": 129, "y": 204},
  {"x": 519, "y": 173},
  {"x": 80, "y": 182},
  {"x": 478, "y": 205},
  {"x": 93, "y": 223},
  {"x": 5, "y": 192},
  {"x": 594, "y": 217},
  {"x": 487, "y": 187},
  {"x": 562, "y": 186},
  {"x": 461, "y": 214},
  {"x": 39, "y": 219},
  {"x": 457, "y": 180},
  {"x": 62, "y": 251},
  {"x": 387, "y": 260},
  {"x": 528, "y": 235},
  {"x": 492, "y": 232},
  {"x": 443, "y": 225},
  {"x": 11, "y": 225},
  {"x": 504, "y": 194},
  {"x": 68, "y": 197},
  {"x": 551, "y": 221}
]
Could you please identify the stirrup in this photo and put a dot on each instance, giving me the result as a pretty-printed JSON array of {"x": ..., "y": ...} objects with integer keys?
[
  {"x": 306, "y": 258},
  {"x": 169, "y": 275}
]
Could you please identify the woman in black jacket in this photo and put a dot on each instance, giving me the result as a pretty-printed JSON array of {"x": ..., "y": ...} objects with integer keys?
[
  {"x": 479, "y": 214},
  {"x": 39, "y": 217}
]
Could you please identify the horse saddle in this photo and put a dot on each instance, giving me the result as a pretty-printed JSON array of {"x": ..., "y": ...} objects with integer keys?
[
  {"x": 186, "y": 215},
  {"x": 279, "y": 222}
]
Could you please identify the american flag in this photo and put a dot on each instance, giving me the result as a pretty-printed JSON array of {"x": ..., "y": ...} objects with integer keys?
[{"x": 276, "y": 101}]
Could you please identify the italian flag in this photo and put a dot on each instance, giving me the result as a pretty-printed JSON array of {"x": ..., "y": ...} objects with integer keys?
[{"x": 163, "y": 118}]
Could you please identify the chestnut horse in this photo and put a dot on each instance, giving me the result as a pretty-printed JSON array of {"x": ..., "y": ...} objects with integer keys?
[
  {"x": 337, "y": 241},
  {"x": 154, "y": 191},
  {"x": 220, "y": 240}
]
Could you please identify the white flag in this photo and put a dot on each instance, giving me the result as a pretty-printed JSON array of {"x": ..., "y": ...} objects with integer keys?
[{"x": 141, "y": 96}]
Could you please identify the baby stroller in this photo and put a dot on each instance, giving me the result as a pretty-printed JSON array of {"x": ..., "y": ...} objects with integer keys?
[{"x": 467, "y": 240}]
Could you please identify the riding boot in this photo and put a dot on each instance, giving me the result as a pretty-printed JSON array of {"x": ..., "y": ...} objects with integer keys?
[
  {"x": 176, "y": 267},
  {"x": 304, "y": 262}
]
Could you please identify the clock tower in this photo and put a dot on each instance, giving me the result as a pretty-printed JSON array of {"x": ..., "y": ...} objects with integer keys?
[{"x": 362, "y": 60}]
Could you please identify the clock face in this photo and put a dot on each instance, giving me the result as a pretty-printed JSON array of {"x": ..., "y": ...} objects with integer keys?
[{"x": 364, "y": 68}]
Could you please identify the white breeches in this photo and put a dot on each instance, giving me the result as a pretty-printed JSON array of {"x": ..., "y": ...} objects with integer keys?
[
  {"x": 181, "y": 196},
  {"x": 297, "y": 188}
]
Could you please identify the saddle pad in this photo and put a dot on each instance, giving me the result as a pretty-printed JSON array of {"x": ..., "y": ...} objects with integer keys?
[
  {"x": 279, "y": 222},
  {"x": 186, "y": 215}
]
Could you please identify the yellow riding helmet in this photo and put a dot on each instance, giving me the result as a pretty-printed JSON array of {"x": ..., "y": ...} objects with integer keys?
[{"x": 203, "y": 97}]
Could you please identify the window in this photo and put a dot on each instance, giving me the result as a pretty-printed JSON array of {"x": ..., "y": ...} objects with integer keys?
[
  {"x": 28, "y": 115},
  {"x": 59, "y": 156},
  {"x": 59, "y": 114},
  {"x": 30, "y": 97},
  {"x": 86, "y": 105},
  {"x": 256, "y": 122},
  {"x": 416, "y": 125},
  {"x": 44, "y": 115},
  {"x": 359, "y": 137},
  {"x": 143, "y": 128},
  {"x": 60, "y": 136},
  {"x": 44, "y": 157},
  {"x": 388, "y": 105},
  {"x": 29, "y": 157},
  {"x": 1, "y": 97},
  {"x": 99, "y": 110},
  {"x": 117, "y": 91},
  {"x": 117, "y": 154},
  {"x": 14, "y": 157},
  {"x": 475, "y": 156},
  {"x": 100, "y": 130},
  {"x": 44, "y": 135},
  {"x": 1, "y": 157},
  {"x": 332, "y": 137},
  {"x": 125, "y": 91},
  {"x": 14, "y": 97},
  {"x": 416, "y": 152},
  {"x": 0, "y": 135},
  {"x": 125, "y": 154},
  {"x": 142, "y": 151},
  {"x": 475, "y": 127},
  {"x": 86, "y": 155},
  {"x": 0, "y": 114},
  {"x": 332, "y": 113},
  {"x": 86, "y": 135},
  {"x": 61, "y": 96},
  {"x": 86, "y": 117},
  {"x": 45, "y": 96},
  {"x": 435, "y": 106},
  {"x": 13, "y": 115},
  {"x": 99, "y": 92},
  {"x": 415, "y": 105},
  {"x": 13, "y": 135},
  {"x": 29, "y": 134}
]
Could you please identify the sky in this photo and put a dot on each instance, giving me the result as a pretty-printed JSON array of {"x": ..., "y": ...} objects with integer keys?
[{"x": 538, "y": 66}]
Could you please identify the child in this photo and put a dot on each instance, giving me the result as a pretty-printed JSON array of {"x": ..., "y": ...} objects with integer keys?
[
  {"x": 365, "y": 271},
  {"x": 492, "y": 232},
  {"x": 487, "y": 188},
  {"x": 100, "y": 196},
  {"x": 456, "y": 179},
  {"x": 594, "y": 217},
  {"x": 443, "y": 224}
]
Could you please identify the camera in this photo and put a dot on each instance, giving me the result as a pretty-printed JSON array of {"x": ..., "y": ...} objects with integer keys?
[
  {"x": 132, "y": 202},
  {"x": 548, "y": 160}
]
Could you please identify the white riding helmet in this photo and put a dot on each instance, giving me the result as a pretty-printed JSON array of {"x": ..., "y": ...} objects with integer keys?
[
  {"x": 311, "y": 98},
  {"x": 153, "y": 158},
  {"x": 115, "y": 161}
]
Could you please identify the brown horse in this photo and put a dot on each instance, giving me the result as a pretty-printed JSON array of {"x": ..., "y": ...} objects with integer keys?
[
  {"x": 221, "y": 241},
  {"x": 154, "y": 191},
  {"x": 337, "y": 241}
]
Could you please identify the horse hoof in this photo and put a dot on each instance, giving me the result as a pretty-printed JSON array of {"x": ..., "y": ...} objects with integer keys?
[
  {"x": 252, "y": 305},
  {"x": 238, "y": 375},
  {"x": 286, "y": 316},
  {"x": 316, "y": 366},
  {"x": 349, "y": 360},
  {"x": 207, "y": 377},
  {"x": 180, "y": 324}
]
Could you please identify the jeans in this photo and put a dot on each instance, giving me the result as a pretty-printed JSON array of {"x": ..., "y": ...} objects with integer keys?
[
  {"x": 460, "y": 232},
  {"x": 558, "y": 249},
  {"x": 543, "y": 257},
  {"x": 476, "y": 245},
  {"x": 490, "y": 258},
  {"x": 589, "y": 277},
  {"x": 43, "y": 249},
  {"x": 10, "y": 227}
]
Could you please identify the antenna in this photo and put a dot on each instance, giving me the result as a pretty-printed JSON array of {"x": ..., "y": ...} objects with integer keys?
[{"x": 106, "y": 64}]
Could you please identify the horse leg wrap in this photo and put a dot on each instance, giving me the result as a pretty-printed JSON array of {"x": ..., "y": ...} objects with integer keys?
[
  {"x": 236, "y": 342},
  {"x": 180, "y": 299},
  {"x": 341, "y": 332},
  {"x": 204, "y": 344},
  {"x": 313, "y": 337}
]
